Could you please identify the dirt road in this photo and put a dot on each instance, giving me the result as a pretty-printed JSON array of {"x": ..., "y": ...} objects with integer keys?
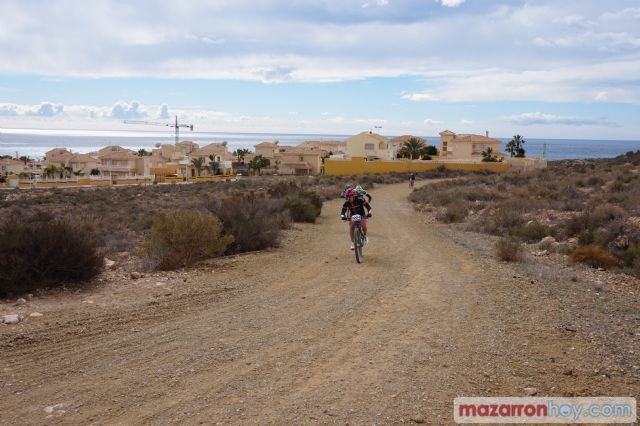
[{"x": 301, "y": 334}]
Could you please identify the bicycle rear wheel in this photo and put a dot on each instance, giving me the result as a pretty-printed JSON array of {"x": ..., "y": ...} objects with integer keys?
[{"x": 358, "y": 242}]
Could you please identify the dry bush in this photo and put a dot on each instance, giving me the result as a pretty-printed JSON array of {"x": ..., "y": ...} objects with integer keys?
[
  {"x": 304, "y": 206},
  {"x": 40, "y": 251},
  {"x": 284, "y": 188},
  {"x": 631, "y": 260},
  {"x": 254, "y": 220},
  {"x": 455, "y": 211},
  {"x": 531, "y": 232},
  {"x": 504, "y": 216},
  {"x": 508, "y": 249},
  {"x": 607, "y": 212},
  {"x": 595, "y": 181},
  {"x": 579, "y": 223},
  {"x": 180, "y": 238},
  {"x": 631, "y": 256},
  {"x": 594, "y": 256}
]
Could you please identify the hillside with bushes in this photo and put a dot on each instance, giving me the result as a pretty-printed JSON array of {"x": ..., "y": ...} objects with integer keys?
[{"x": 587, "y": 209}]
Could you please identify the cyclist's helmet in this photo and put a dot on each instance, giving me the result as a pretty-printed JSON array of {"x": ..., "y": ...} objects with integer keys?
[
  {"x": 360, "y": 190},
  {"x": 351, "y": 193},
  {"x": 347, "y": 186}
]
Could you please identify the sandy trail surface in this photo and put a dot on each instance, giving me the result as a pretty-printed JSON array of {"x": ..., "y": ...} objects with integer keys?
[{"x": 299, "y": 335}]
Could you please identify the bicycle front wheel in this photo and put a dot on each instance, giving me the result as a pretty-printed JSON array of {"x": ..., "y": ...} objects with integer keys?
[{"x": 358, "y": 242}]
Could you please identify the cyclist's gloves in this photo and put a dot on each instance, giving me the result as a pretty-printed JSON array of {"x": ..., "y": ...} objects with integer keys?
[
  {"x": 368, "y": 214},
  {"x": 343, "y": 217}
]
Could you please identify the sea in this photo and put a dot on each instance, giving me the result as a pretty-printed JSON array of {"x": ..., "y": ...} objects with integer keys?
[{"x": 35, "y": 142}]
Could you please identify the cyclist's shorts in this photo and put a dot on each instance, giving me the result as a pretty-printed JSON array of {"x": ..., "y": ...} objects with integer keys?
[{"x": 363, "y": 221}]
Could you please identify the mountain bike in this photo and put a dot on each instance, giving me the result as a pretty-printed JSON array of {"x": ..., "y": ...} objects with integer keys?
[{"x": 358, "y": 237}]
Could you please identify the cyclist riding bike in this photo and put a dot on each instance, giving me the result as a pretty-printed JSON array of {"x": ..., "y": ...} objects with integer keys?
[
  {"x": 346, "y": 189},
  {"x": 354, "y": 206},
  {"x": 412, "y": 179},
  {"x": 361, "y": 193}
]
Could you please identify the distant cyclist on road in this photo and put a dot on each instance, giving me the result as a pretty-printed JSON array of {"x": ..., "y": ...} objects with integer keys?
[
  {"x": 353, "y": 206},
  {"x": 412, "y": 179}
]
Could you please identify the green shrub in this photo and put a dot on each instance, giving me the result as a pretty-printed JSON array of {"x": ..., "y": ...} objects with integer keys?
[
  {"x": 254, "y": 220},
  {"x": 304, "y": 206},
  {"x": 40, "y": 251},
  {"x": 509, "y": 249},
  {"x": 579, "y": 223},
  {"x": 180, "y": 238},
  {"x": 631, "y": 255},
  {"x": 506, "y": 215},
  {"x": 586, "y": 237},
  {"x": 531, "y": 232}
]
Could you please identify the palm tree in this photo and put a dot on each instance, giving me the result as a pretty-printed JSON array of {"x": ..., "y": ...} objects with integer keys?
[
  {"x": 412, "y": 148},
  {"x": 198, "y": 164},
  {"x": 488, "y": 157},
  {"x": 66, "y": 171},
  {"x": 240, "y": 153},
  {"x": 514, "y": 146},
  {"x": 214, "y": 166},
  {"x": 50, "y": 170}
]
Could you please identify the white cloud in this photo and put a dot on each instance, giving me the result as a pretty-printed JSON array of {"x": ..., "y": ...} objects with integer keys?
[
  {"x": 47, "y": 109},
  {"x": 44, "y": 109},
  {"x": 520, "y": 50},
  {"x": 431, "y": 121},
  {"x": 276, "y": 74},
  {"x": 8, "y": 110},
  {"x": 452, "y": 3},
  {"x": 540, "y": 118},
  {"x": 163, "y": 112},
  {"x": 125, "y": 111},
  {"x": 419, "y": 97},
  {"x": 562, "y": 84},
  {"x": 630, "y": 13}
]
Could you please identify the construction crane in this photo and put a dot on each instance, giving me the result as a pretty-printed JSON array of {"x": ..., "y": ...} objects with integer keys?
[{"x": 175, "y": 125}]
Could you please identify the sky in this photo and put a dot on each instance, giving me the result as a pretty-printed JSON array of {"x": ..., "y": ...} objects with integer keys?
[{"x": 539, "y": 68}]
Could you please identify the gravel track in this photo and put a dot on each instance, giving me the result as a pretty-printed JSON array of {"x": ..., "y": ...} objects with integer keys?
[{"x": 301, "y": 335}]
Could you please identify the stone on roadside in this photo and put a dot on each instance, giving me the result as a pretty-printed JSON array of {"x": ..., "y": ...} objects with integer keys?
[
  {"x": 21, "y": 301},
  {"x": 109, "y": 264},
  {"x": 136, "y": 275},
  {"x": 11, "y": 319},
  {"x": 35, "y": 314},
  {"x": 530, "y": 391},
  {"x": 57, "y": 408},
  {"x": 547, "y": 242}
]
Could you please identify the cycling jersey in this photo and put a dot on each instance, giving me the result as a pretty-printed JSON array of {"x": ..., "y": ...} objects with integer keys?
[
  {"x": 364, "y": 194},
  {"x": 357, "y": 207}
]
